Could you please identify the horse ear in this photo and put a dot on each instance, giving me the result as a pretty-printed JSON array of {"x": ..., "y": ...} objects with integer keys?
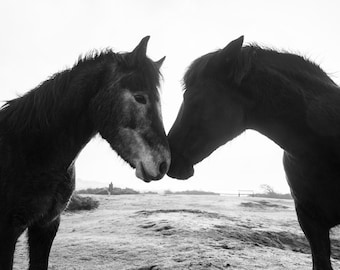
[
  {"x": 140, "y": 51},
  {"x": 239, "y": 62},
  {"x": 233, "y": 49},
  {"x": 228, "y": 55},
  {"x": 159, "y": 63}
]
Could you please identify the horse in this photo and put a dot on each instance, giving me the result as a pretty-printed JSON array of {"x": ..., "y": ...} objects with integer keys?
[
  {"x": 285, "y": 97},
  {"x": 43, "y": 131}
]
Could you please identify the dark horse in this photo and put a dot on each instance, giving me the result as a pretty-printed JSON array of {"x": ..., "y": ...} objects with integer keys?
[
  {"x": 287, "y": 98},
  {"x": 42, "y": 132}
]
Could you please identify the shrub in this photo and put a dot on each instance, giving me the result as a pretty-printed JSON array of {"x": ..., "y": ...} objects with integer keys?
[
  {"x": 190, "y": 192},
  {"x": 123, "y": 191},
  {"x": 81, "y": 203},
  {"x": 97, "y": 191},
  {"x": 106, "y": 191}
]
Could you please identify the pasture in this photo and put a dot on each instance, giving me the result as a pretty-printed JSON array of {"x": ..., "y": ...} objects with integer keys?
[{"x": 130, "y": 232}]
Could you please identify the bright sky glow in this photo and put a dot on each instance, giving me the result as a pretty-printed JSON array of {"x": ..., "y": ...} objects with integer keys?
[{"x": 39, "y": 38}]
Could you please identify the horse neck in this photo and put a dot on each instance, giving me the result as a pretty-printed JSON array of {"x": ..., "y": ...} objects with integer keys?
[
  {"x": 58, "y": 124},
  {"x": 280, "y": 112}
]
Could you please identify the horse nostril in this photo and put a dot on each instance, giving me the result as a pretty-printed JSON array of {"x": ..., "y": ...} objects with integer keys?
[{"x": 163, "y": 167}]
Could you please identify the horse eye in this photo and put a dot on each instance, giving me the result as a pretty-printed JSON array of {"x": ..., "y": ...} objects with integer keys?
[{"x": 140, "y": 99}]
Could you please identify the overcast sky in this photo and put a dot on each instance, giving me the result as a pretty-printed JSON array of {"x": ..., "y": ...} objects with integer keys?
[{"x": 40, "y": 37}]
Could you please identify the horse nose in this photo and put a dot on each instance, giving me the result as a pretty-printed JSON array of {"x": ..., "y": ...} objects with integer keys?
[{"x": 163, "y": 168}]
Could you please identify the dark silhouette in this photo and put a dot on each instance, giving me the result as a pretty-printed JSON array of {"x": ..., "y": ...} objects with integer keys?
[
  {"x": 42, "y": 132},
  {"x": 110, "y": 188},
  {"x": 285, "y": 97}
]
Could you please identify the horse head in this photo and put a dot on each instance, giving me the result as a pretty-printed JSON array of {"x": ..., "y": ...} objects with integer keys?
[
  {"x": 211, "y": 113},
  {"x": 127, "y": 112}
]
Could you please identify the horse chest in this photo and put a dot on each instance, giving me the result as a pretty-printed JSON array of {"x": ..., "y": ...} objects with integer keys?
[
  {"x": 60, "y": 195},
  {"x": 52, "y": 190},
  {"x": 315, "y": 186}
]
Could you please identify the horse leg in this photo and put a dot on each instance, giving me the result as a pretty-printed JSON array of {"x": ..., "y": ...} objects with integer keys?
[
  {"x": 318, "y": 237},
  {"x": 9, "y": 235},
  {"x": 40, "y": 239}
]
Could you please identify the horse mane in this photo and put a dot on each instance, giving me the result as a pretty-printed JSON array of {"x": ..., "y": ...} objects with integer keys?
[
  {"x": 291, "y": 66},
  {"x": 36, "y": 110}
]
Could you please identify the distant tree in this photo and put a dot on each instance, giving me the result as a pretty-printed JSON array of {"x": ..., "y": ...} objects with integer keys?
[
  {"x": 150, "y": 192},
  {"x": 102, "y": 191},
  {"x": 123, "y": 191},
  {"x": 98, "y": 191},
  {"x": 268, "y": 192},
  {"x": 189, "y": 192},
  {"x": 267, "y": 189},
  {"x": 105, "y": 191}
]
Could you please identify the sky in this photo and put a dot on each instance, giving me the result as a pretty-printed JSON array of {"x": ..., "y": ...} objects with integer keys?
[{"x": 42, "y": 37}]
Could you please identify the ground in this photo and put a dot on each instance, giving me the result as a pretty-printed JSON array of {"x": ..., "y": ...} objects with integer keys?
[{"x": 181, "y": 232}]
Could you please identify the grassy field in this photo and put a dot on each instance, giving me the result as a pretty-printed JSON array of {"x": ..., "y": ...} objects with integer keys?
[{"x": 181, "y": 232}]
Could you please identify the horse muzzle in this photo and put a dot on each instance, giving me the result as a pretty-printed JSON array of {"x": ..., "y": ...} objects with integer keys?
[
  {"x": 180, "y": 167},
  {"x": 154, "y": 173}
]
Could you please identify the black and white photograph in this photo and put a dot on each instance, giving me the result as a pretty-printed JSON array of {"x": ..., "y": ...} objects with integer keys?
[{"x": 169, "y": 135}]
